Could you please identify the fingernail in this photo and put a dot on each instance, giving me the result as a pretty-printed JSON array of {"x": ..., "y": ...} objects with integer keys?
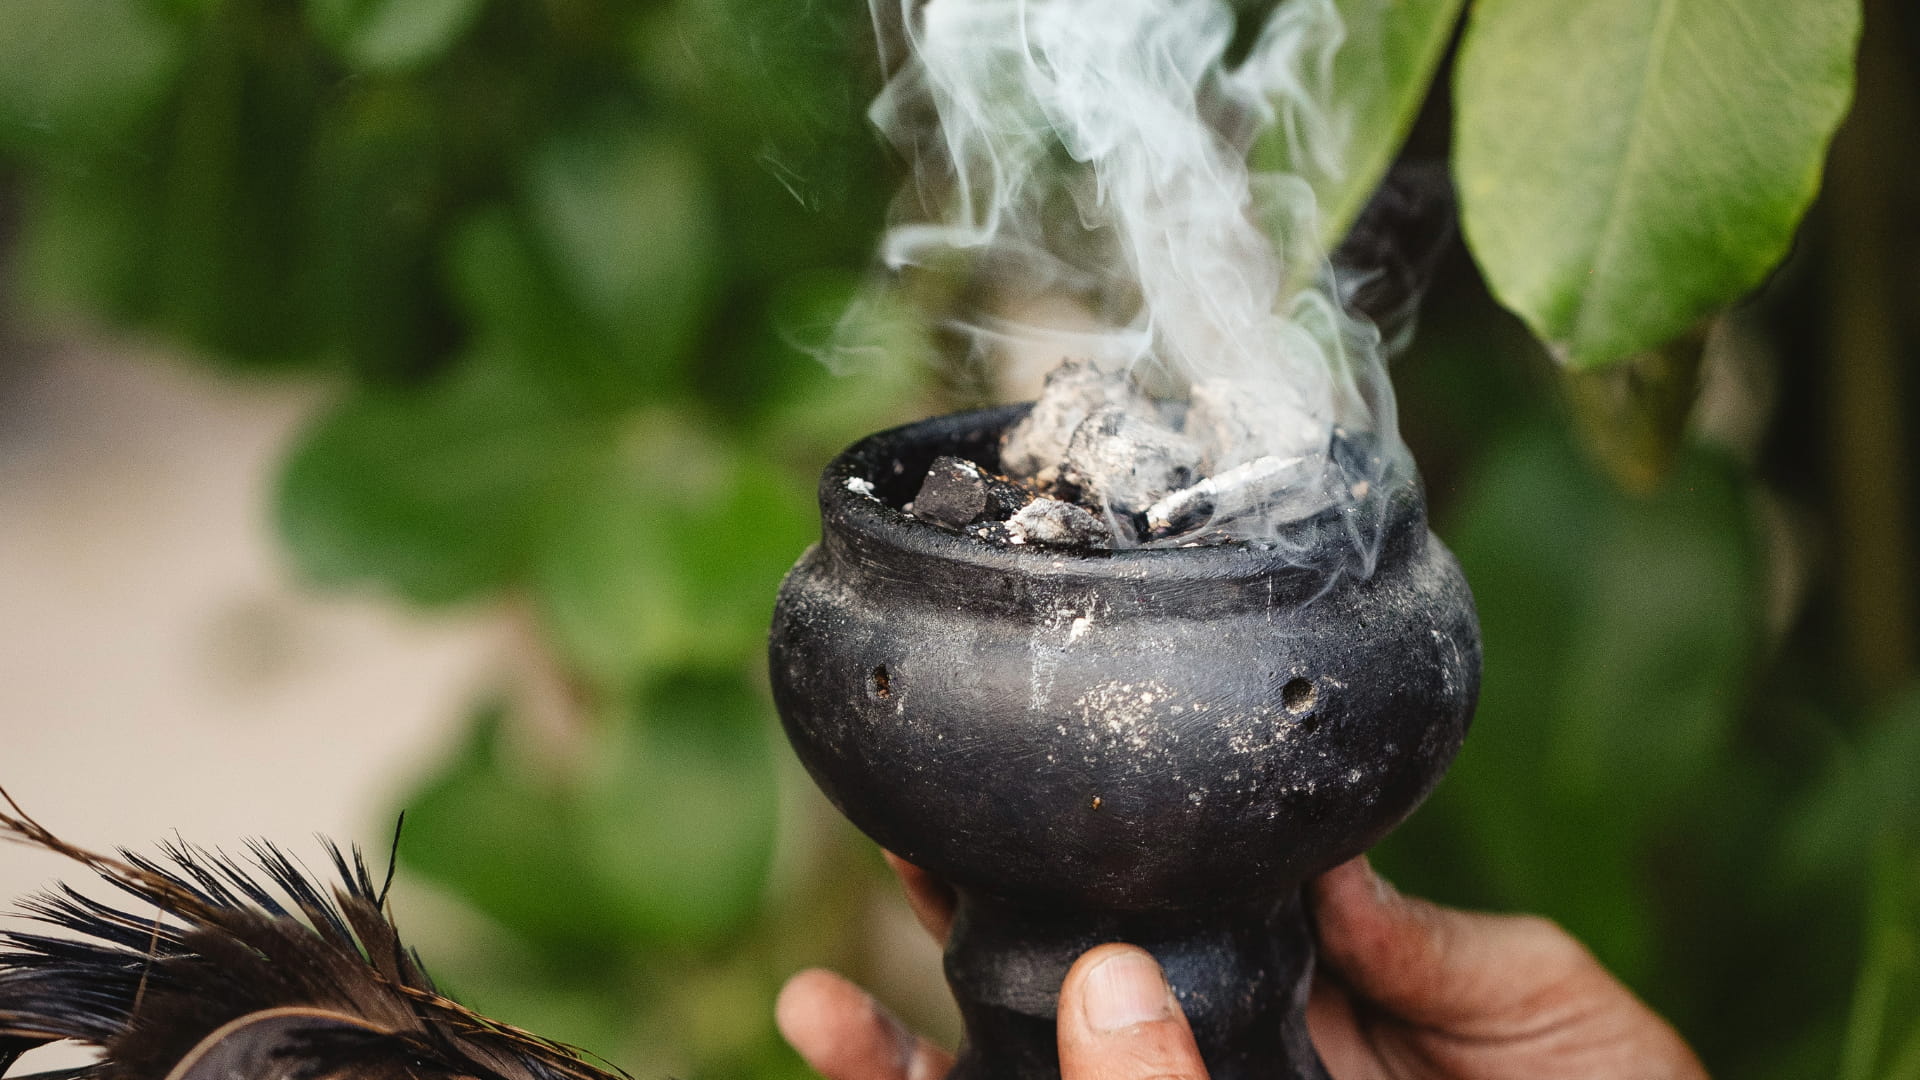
[
  {"x": 1126, "y": 989},
  {"x": 923, "y": 1066}
]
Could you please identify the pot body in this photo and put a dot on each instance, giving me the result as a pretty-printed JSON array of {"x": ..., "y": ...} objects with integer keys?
[{"x": 1092, "y": 746}]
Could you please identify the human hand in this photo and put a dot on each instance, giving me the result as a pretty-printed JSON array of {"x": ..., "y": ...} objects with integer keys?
[{"x": 1406, "y": 990}]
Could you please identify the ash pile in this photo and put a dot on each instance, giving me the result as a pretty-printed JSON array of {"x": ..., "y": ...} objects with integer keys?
[{"x": 1099, "y": 464}]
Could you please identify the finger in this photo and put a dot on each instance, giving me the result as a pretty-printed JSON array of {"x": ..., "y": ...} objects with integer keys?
[
  {"x": 930, "y": 898},
  {"x": 1119, "y": 1021},
  {"x": 1437, "y": 966},
  {"x": 845, "y": 1035},
  {"x": 1337, "y": 1034}
]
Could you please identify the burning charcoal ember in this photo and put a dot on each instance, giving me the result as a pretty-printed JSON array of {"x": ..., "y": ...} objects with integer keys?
[
  {"x": 1126, "y": 461},
  {"x": 1267, "y": 489},
  {"x": 1034, "y": 448},
  {"x": 954, "y": 493},
  {"x": 957, "y": 493},
  {"x": 1006, "y": 497},
  {"x": 1058, "y": 524}
]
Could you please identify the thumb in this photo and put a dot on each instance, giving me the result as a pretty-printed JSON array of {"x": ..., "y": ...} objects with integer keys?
[
  {"x": 1436, "y": 966},
  {"x": 1119, "y": 1021}
]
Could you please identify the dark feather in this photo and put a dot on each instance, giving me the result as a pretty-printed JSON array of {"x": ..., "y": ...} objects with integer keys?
[{"x": 252, "y": 970}]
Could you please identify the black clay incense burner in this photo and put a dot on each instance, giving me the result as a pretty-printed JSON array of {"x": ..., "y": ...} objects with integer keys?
[{"x": 1153, "y": 745}]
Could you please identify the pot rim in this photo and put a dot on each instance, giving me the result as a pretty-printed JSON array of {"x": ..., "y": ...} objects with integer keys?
[{"x": 870, "y": 531}]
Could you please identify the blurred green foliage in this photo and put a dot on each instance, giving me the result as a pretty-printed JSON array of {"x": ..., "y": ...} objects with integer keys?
[
  {"x": 1883, "y": 1036},
  {"x": 562, "y": 263}
]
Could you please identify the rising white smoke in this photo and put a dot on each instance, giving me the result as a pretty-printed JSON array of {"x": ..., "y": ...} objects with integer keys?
[{"x": 1096, "y": 150}]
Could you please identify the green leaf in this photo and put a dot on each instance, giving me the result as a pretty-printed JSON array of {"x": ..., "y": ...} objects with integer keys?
[
  {"x": 504, "y": 838},
  {"x": 434, "y": 492},
  {"x": 392, "y": 35},
  {"x": 1880, "y": 1027},
  {"x": 83, "y": 241},
  {"x": 624, "y": 218},
  {"x": 80, "y": 72},
  {"x": 1867, "y": 791},
  {"x": 600, "y": 284},
  {"x": 1380, "y": 75},
  {"x": 778, "y": 92},
  {"x": 669, "y": 554},
  {"x": 661, "y": 834},
  {"x": 1627, "y": 167},
  {"x": 518, "y": 306},
  {"x": 681, "y": 819}
]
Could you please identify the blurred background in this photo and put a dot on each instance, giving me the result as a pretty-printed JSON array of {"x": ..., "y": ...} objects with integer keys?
[{"x": 414, "y": 404}]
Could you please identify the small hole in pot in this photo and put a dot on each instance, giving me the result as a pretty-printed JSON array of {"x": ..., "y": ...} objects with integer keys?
[
  {"x": 1299, "y": 696},
  {"x": 882, "y": 683}
]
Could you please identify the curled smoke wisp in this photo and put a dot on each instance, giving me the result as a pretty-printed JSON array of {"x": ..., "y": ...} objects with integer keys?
[{"x": 1096, "y": 150}]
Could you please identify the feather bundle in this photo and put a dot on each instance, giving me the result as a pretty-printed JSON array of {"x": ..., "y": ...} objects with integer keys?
[{"x": 242, "y": 971}]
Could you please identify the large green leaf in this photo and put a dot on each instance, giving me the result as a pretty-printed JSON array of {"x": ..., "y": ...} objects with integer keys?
[
  {"x": 681, "y": 815},
  {"x": 1627, "y": 167},
  {"x": 626, "y": 222},
  {"x": 382, "y": 35},
  {"x": 1380, "y": 75},
  {"x": 517, "y": 305},
  {"x": 659, "y": 836},
  {"x": 82, "y": 245},
  {"x": 80, "y": 72},
  {"x": 669, "y": 554},
  {"x": 506, "y": 839},
  {"x": 1883, "y": 1035},
  {"x": 434, "y": 492},
  {"x": 1867, "y": 791}
]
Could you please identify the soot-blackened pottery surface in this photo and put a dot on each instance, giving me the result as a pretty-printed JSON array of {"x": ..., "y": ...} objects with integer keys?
[{"x": 1140, "y": 730}]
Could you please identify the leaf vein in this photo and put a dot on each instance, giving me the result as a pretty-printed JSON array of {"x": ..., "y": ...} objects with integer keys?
[{"x": 1610, "y": 234}]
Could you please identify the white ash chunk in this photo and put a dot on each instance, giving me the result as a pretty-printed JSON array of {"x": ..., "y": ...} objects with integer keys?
[
  {"x": 1232, "y": 427},
  {"x": 1126, "y": 460},
  {"x": 860, "y": 486},
  {"x": 1034, "y": 448},
  {"x": 1269, "y": 489},
  {"x": 1058, "y": 524}
]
